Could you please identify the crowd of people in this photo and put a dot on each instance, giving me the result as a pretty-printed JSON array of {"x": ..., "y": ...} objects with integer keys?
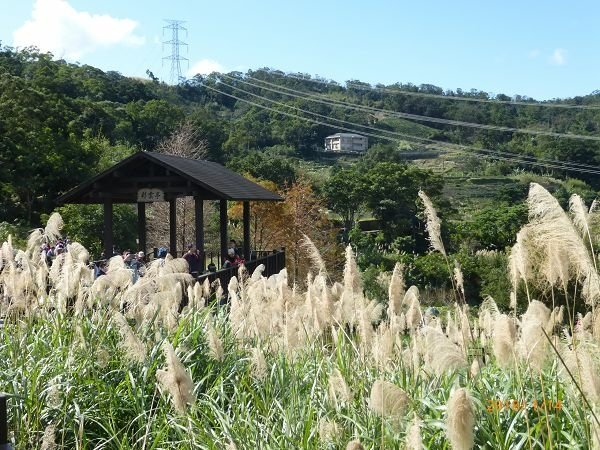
[
  {"x": 137, "y": 261},
  {"x": 193, "y": 258},
  {"x": 134, "y": 261},
  {"x": 49, "y": 252}
]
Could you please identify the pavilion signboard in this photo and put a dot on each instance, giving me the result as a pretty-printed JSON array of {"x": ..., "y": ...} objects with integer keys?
[{"x": 150, "y": 195}]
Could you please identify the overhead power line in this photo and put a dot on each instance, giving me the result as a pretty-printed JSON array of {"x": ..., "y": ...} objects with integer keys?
[
  {"x": 333, "y": 102},
  {"x": 403, "y": 136},
  {"x": 484, "y": 153},
  {"x": 441, "y": 96}
]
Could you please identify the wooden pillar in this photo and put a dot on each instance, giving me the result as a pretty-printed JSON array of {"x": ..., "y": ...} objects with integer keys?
[
  {"x": 223, "y": 228},
  {"x": 173, "y": 227},
  {"x": 247, "y": 231},
  {"x": 3, "y": 423},
  {"x": 108, "y": 227},
  {"x": 199, "y": 219},
  {"x": 141, "y": 207}
]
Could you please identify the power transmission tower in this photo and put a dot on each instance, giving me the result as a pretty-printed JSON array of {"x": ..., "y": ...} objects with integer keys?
[{"x": 175, "y": 57}]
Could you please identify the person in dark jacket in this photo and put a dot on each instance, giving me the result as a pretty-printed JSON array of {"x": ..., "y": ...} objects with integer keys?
[
  {"x": 193, "y": 259},
  {"x": 233, "y": 245}
]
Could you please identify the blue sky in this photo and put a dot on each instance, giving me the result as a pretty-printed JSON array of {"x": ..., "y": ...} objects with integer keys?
[{"x": 543, "y": 49}]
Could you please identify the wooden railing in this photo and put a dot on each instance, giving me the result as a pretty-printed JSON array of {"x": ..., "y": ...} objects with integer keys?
[{"x": 273, "y": 261}]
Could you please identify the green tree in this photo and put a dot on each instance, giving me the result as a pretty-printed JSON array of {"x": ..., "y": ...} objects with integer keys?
[
  {"x": 153, "y": 121},
  {"x": 38, "y": 156},
  {"x": 344, "y": 193},
  {"x": 264, "y": 166},
  {"x": 391, "y": 193},
  {"x": 84, "y": 224},
  {"x": 493, "y": 227}
]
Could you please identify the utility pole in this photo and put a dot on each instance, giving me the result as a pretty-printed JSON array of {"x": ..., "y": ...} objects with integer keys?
[{"x": 175, "y": 26}]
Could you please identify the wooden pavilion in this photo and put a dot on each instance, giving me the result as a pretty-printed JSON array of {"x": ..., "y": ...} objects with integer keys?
[{"x": 151, "y": 177}]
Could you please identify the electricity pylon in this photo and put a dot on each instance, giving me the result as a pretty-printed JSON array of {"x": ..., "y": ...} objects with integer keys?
[{"x": 175, "y": 57}]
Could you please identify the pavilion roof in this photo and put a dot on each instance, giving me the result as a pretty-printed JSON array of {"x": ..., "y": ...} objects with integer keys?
[{"x": 176, "y": 175}]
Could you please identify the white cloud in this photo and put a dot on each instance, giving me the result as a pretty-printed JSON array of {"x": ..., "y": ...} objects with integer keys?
[
  {"x": 533, "y": 54},
  {"x": 205, "y": 67},
  {"x": 559, "y": 57},
  {"x": 57, "y": 27}
]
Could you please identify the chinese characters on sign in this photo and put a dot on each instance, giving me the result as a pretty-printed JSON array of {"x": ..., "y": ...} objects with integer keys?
[{"x": 150, "y": 195}]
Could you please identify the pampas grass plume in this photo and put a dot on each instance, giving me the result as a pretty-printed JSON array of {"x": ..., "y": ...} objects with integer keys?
[
  {"x": 414, "y": 316},
  {"x": 433, "y": 224},
  {"x": 387, "y": 399},
  {"x": 504, "y": 334},
  {"x": 215, "y": 346},
  {"x": 258, "y": 364},
  {"x": 580, "y": 213},
  {"x": 459, "y": 278},
  {"x": 442, "y": 354},
  {"x": 595, "y": 429},
  {"x": 176, "y": 380},
  {"x": 581, "y": 364},
  {"x": 53, "y": 228},
  {"x": 475, "y": 367},
  {"x": 313, "y": 254},
  {"x": 396, "y": 290},
  {"x": 352, "y": 280},
  {"x": 198, "y": 298},
  {"x": 134, "y": 349},
  {"x": 513, "y": 300},
  {"x": 49, "y": 438},
  {"x": 413, "y": 435},
  {"x": 460, "y": 420},
  {"x": 329, "y": 431},
  {"x": 532, "y": 340},
  {"x": 354, "y": 445},
  {"x": 339, "y": 392},
  {"x": 206, "y": 288}
]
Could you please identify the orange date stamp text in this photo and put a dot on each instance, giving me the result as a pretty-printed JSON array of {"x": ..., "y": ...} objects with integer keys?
[{"x": 548, "y": 405}]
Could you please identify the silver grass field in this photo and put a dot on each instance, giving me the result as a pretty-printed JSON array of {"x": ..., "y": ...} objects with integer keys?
[{"x": 107, "y": 364}]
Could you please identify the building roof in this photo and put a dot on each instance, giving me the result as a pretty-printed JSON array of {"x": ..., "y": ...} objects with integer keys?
[
  {"x": 178, "y": 175},
  {"x": 345, "y": 135}
]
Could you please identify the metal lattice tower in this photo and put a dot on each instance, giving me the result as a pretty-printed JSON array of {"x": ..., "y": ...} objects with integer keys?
[{"x": 175, "y": 57}]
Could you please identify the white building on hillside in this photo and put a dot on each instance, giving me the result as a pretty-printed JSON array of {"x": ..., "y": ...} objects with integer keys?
[{"x": 346, "y": 142}]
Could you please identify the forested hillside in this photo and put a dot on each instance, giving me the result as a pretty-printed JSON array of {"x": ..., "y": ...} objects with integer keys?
[{"x": 60, "y": 123}]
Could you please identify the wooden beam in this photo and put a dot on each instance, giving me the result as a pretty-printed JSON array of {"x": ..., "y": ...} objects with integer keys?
[
  {"x": 131, "y": 193},
  {"x": 199, "y": 220},
  {"x": 108, "y": 228},
  {"x": 119, "y": 188},
  {"x": 246, "y": 231},
  {"x": 173, "y": 227},
  {"x": 141, "y": 207},
  {"x": 223, "y": 228}
]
